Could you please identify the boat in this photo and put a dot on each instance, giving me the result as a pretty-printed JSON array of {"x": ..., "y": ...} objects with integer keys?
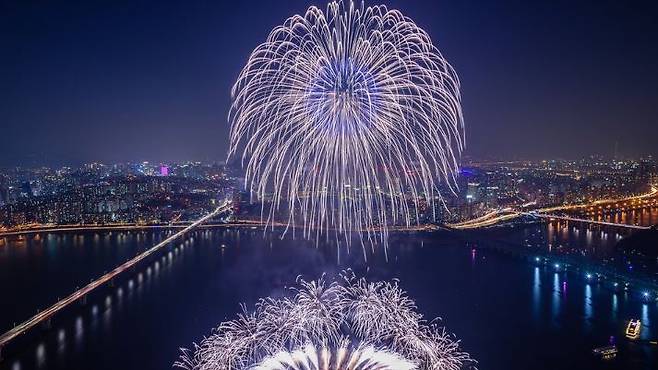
[
  {"x": 606, "y": 352},
  {"x": 633, "y": 329}
]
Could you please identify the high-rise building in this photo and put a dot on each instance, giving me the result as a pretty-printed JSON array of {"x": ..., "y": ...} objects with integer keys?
[
  {"x": 3, "y": 196},
  {"x": 473, "y": 192},
  {"x": 26, "y": 189}
]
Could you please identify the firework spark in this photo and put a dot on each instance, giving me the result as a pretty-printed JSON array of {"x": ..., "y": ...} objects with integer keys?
[
  {"x": 353, "y": 324},
  {"x": 344, "y": 358},
  {"x": 347, "y": 120}
]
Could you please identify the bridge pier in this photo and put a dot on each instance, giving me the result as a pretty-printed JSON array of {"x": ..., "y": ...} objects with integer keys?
[{"x": 107, "y": 276}]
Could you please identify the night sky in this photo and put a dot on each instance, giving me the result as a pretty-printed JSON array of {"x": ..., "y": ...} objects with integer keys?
[{"x": 130, "y": 80}]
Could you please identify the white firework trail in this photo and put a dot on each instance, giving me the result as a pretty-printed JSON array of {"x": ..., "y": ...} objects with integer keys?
[
  {"x": 347, "y": 120},
  {"x": 350, "y": 324},
  {"x": 344, "y": 358}
]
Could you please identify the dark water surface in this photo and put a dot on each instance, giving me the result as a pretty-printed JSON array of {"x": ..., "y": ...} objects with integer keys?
[{"x": 509, "y": 312}]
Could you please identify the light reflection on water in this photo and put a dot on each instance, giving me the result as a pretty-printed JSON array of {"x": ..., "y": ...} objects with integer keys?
[
  {"x": 646, "y": 322},
  {"x": 61, "y": 340},
  {"x": 643, "y": 217},
  {"x": 562, "y": 292},
  {"x": 555, "y": 307},
  {"x": 588, "y": 305},
  {"x": 536, "y": 293},
  {"x": 41, "y": 355},
  {"x": 615, "y": 306},
  {"x": 574, "y": 238},
  {"x": 79, "y": 331}
]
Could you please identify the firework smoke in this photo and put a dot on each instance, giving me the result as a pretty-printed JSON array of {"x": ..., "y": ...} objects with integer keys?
[
  {"x": 347, "y": 120},
  {"x": 353, "y": 324}
]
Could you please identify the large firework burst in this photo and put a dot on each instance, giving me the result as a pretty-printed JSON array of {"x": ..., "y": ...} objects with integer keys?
[
  {"x": 352, "y": 325},
  {"x": 347, "y": 119}
]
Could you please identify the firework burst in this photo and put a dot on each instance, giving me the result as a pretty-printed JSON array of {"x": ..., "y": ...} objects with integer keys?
[
  {"x": 349, "y": 324},
  {"x": 347, "y": 120},
  {"x": 344, "y": 357}
]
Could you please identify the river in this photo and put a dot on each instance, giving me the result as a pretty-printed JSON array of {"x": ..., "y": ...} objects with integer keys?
[{"x": 509, "y": 311}]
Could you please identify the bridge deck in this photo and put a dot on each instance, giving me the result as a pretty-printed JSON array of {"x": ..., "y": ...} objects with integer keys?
[
  {"x": 565, "y": 218},
  {"x": 506, "y": 214},
  {"x": 52, "y": 310}
]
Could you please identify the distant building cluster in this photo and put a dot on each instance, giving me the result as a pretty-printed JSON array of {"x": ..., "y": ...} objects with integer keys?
[
  {"x": 485, "y": 186},
  {"x": 146, "y": 193},
  {"x": 100, "y": 194}
]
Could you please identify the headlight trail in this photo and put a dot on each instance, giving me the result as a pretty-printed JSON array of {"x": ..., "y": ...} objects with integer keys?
[
  {"x": 346, "y": 120},
  {"x": 347, "y": 324}
]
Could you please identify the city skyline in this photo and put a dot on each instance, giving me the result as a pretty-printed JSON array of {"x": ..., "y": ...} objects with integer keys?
[{"x": 80, "y": 89}]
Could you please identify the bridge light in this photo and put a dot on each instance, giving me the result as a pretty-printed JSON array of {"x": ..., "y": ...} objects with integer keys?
[{"x": 589, "y": 276}]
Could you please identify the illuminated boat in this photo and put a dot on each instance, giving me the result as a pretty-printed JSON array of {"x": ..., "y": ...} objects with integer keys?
[
  {"x": 607, "y": 352},
  {"x": 633, "y": 329}
]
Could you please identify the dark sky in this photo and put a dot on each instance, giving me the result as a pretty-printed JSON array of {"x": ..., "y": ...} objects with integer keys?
[{"x": 133, "y": 80}]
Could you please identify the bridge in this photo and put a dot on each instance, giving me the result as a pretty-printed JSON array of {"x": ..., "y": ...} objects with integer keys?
[
  {"x": 489, "y": 219},
  {"x": 45, "y": 315},
  {"x": 507, "y": 214},
  {"x": 594, "y": 222}
]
